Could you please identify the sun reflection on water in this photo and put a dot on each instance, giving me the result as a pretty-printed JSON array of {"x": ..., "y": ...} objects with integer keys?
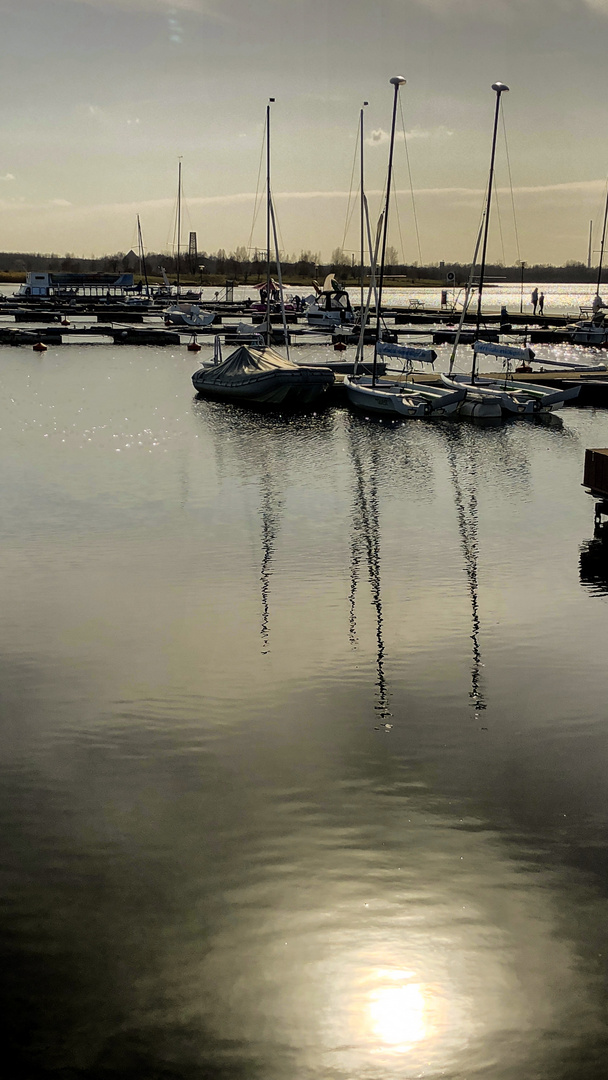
[{"x": 398, "y": 1010}]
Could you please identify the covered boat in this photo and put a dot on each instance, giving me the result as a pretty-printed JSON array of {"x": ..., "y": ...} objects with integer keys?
[{"x": 260, "y": 376}]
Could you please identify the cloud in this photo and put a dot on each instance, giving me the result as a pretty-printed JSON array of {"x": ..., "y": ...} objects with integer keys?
[
  {"x": 156, "y": 7},
  {"x": 580, "y": 188},
  {"x": 379, "y": 136},
  {"x": 511, "y": 10},
  {"x": 500, "y": 11},
  {"x": 7, "y": 176}
]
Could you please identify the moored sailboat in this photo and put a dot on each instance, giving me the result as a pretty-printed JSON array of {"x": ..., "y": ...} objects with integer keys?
[
  {"x": 399, "y": 398},
  {"x": 514, "y": 397},
  {"x": 594, "y": 331},
  {"x": 259, "y": 375}
]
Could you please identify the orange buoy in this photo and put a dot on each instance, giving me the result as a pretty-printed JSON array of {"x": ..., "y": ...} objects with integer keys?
[
  {"x": 193, "y": 345},
  {"x": 339, "y": 346},
  {"x": 65, "y": 322},
  {"x": 39, "y": 347}
]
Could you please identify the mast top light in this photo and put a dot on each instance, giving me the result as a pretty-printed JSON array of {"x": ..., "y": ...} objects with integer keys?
[
  {"x": 499, "y": 87},
  {"x": 398, "y": 80}
]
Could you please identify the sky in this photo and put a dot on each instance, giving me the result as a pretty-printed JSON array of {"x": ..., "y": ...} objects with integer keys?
[{"x": 102, "y": 98}]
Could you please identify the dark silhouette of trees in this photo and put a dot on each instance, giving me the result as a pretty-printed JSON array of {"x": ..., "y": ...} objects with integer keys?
[{"x": 243, "y": 267}]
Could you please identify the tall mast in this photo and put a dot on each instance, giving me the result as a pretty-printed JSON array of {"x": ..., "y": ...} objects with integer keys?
[
  {"x": 268, "y": 222},
  {"x": 599, "y": 268},
  {"x": 362, "y": 222},
  {"x": 179, "y": 216},
  {"x": 499, "y": 89},
  {"x": 142, "y": 258},
  {"x": 397, "y": 81}
]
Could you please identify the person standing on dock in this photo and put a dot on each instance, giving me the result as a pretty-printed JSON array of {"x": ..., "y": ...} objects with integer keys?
[
  {"x": 534, "y": 299},
  {"x": 541, "y": 303}
]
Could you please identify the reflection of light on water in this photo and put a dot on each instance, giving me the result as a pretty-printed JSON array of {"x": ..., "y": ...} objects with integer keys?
[{"x": 397, "y": 1010}]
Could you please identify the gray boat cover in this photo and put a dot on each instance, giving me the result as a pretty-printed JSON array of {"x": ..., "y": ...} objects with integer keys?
[{"x": 249, "y": 361}]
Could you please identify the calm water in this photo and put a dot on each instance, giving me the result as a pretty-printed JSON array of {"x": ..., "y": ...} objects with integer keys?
[
  {"x": 559, "y": 298},
  {"x": 304, "y": 750}
]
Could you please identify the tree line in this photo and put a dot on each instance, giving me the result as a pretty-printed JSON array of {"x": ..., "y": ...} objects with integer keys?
[{"x": 245, "y": 268}]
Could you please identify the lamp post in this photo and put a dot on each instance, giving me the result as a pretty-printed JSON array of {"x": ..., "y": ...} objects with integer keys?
[{"x": 521, "y": 290}]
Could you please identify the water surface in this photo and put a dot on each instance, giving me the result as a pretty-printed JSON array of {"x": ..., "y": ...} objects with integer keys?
[{"x": 303, "y": 736}]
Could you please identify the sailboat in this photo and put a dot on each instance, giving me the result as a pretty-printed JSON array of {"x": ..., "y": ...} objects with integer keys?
[
  {"x": 260, "y": 375},
  {"x": 399, "y": 398},
  {"x": 594, "y": 331},
  {"x": 139, "y": 298},
  {"x": 515, "y": 397},
  {"x": 182, "y": 312}
]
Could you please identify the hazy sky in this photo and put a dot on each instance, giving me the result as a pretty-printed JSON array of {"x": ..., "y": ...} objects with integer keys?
[{"x": 102, "y": 97}]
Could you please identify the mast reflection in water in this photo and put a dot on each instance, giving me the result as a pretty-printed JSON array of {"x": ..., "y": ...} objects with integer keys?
[
  {"x": 269, "y": 512},
  {"x": 365, "y": 541},
  {"x": 463, "y": 471}
]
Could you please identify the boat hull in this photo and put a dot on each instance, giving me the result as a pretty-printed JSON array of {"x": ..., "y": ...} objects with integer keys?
[
  {"x": 589, "y": 332},
  {"x": 388, "y": 400},
  {"x": 443, "y": 402},
  {"x": 481, "y": 411},
  {"x": 517, "y": 398}
]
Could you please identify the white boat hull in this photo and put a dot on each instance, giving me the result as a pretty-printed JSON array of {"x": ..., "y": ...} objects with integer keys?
[
  {"x": 485, "y": 411},
  {"x": 443, "y": 402},
  {"x": 517, "y": 398},
  {"x": 328, "y": 320},
  {"x": 589, "y": 333},
  {"x": 195, "y": 318},
  {"x": 389, "y": 399}
]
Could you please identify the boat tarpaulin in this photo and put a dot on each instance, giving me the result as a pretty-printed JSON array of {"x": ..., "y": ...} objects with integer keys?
[
  {"x": 406, "y": 352},
  {"x": 510, "y": 352},
  {"x": 249, "y": 361}
]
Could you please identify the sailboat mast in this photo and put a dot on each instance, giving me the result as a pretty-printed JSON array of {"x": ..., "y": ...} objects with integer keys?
[
  {"x": 599, "y": 269},
  {"x": 142, "y": 258},
  {"x": 499, "y": 89},
  {"x": 179, "y": 217},
  {"x": 397, "y": 81},
  {"x": 362, "y": 221},
  {"x": 268, "y": 220}
]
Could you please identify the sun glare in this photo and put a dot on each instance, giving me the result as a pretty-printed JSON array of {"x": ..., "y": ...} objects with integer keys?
[{"x": 397, "y": 1010}]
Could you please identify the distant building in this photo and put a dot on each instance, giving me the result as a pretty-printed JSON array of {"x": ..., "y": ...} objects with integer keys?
[{"x": 130, "y": 261}]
